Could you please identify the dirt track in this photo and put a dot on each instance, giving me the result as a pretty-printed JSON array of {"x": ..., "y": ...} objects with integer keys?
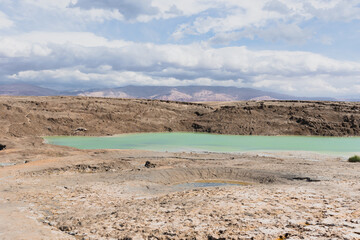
[{"x": 63, "y": 193}]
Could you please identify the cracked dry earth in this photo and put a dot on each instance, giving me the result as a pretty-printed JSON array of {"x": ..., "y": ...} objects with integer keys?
[
  {"x": 110, "y": 194},
  {"x": 228, "y": 212}
]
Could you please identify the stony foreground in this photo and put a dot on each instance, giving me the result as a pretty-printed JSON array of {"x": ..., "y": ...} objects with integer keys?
[{"x": 112, "y": 195}]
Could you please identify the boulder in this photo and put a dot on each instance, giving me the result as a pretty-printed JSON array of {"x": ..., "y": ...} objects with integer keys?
[
  {"x": 149, "y": 165},
  {"x": 80, "y": 129}
]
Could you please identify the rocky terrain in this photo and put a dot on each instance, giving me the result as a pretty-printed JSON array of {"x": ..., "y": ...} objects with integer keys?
[
  {"x": 53, "y": 192},
  {"x": 113, "y": 195},
  {"x": 42, "y": 116}
]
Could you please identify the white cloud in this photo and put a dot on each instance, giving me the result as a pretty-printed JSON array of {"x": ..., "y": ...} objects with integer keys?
[
  {"x": 70, "y": 61},
  {"x": 39, "y": 43},
  {"x": 130, "y": 9},
  {"x": 250, "y": 13},
  {"x": 58, "y": 12},
  {"x": 14, "y": 48},
  {"x": 133, "y": 10},
  {"x": 356, "y": 88},
  {"x": 56, "y": 4},
  {"x": 290, "y": 33},
  {"x": 113, "y": 78},
  {"x": 276, "y": 6},
  {"x": 307, "y": 85},
  {"x": 84, "y": 39},
  {"x": 258, "y": 17},
  {"x": 52, "y": 42},
  {"x": 335, "y": 10},
  {"x": 219, "y": 18},
  {"x": 5, "y": 22}
]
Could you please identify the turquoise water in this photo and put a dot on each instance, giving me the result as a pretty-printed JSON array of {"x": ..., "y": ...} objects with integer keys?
[{"x": 211, "y": 142}]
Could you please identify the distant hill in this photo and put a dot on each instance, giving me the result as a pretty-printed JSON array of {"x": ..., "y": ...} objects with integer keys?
[
  {"x": 26, "y": 90},
  {"x": 192, "y": 93},
  {"x": 181, "y": 93},
  {"x": 186, "y": 93}
]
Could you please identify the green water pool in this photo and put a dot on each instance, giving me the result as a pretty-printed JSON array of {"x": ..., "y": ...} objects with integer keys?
[{"x": 177, "y": 142}]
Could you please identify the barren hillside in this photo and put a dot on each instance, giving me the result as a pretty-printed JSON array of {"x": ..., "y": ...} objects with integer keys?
[{"x": 39, "y": 116}]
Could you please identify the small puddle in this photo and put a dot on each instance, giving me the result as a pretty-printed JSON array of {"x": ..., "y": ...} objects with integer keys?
[
  {"x": 6, "y": 164},
  {"x": 210, "y": 183}
]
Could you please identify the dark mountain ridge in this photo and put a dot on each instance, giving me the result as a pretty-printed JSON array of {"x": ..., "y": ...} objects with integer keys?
[{"x": 26, "y": 90}]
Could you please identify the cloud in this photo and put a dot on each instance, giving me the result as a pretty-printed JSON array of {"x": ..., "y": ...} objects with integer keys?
[
  {"x": 216, "y": 19},
  {"x": 11, "y": 48},
  {"x": 131, "y": 9},
  {"x": 276, "y": 6},
  {"x": 55, "y": 14},
  {"x": 55, "y": 4},
  {"x": 258, "y": 18},
  {"x": 334, "y": 10},
  {"x": 237, "y": 16},
  {"x": 84, "y": 39},
  {"x": 5, "y": 22},
  {"x": 290, "y": 33},
  {"x": 82, "y": 79},
  {"x": 88, "y": 43},
  {"x": 41, "y": 43},
  {"x": 100, "y": 61}
]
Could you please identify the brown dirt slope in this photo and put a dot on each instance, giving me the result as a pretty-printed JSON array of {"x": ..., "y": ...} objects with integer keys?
[{"x": 39, "y": 116}]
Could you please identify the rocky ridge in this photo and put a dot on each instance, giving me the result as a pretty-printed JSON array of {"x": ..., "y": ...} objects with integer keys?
[{"x": 42, "y": 116}]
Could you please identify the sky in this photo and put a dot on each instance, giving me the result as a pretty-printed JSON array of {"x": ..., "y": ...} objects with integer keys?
[{"x": 301, "y": 48}]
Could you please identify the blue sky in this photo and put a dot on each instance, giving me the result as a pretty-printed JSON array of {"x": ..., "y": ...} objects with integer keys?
[{"x": 304, "y": 48}]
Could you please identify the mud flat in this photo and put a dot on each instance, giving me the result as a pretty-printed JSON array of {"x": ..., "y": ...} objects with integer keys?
[
  {"x": 112, "y": 195},
  {"x": 55, "y": 192}
]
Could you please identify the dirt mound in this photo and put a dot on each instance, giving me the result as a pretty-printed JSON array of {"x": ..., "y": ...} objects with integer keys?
[
  {"x": 85, "y": 168},
  {"x": 180, "y": 175}
]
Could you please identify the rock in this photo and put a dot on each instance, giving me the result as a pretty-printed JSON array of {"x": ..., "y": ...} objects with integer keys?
[
  {"x": 285, "y": 236},
  {"x": 2, "y": 147},
  {"x": 214, "y": 238},
  {"x": 306, "y": 178},
  {"x": 80, "y": 129},
  {"x": 65, "y": 228},
  {"x": 168, "y": 129},
  {"x": 149, "y": 165},
  {"x": 199, "y": 128}
]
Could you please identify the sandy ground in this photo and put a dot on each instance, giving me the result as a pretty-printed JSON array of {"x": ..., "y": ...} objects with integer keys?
[{"x": 111, "y": 195}]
